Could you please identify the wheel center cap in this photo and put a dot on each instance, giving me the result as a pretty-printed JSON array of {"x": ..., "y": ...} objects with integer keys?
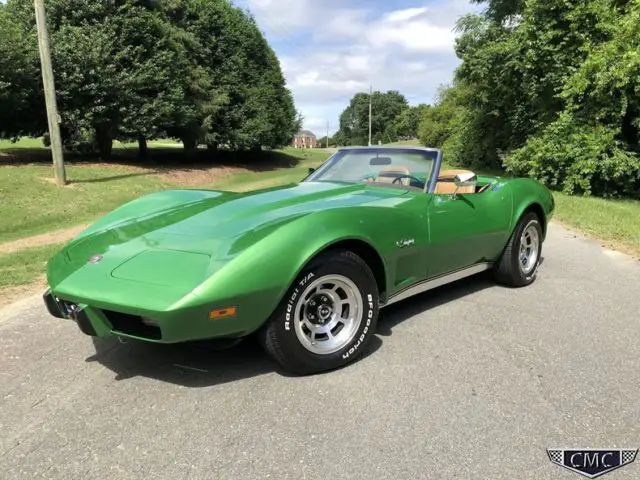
[
  {"x": 324, "y": 312},
  {"x": 320, "y": 309}
]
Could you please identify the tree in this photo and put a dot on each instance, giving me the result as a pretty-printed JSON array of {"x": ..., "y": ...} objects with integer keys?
[
  {"x": 198, "y": 70},
  {"x": 235, "y": 85},
  {"x": 593, "y": 146},
  {"x": 407, "y": 123},
  {"x": 502, "y": 10},
  {"x": 437, "y": 123},
  {"x": 354, "y": 120},
  {"x": 21, "y": 98},
  {"x": 546, "y": 76},
  {"x": 116, "y": 68}
]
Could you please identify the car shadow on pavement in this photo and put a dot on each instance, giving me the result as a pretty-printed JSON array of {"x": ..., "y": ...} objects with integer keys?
[
  {"x": 194, "y": 364},
  {"x": 395, "y": 314}
]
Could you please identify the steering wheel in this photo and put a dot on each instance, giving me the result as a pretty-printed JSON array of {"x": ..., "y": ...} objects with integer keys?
[{"x": 411, "y": 177}]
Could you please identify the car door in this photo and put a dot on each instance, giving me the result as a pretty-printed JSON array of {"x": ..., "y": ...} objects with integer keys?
[{"x": 466, "y": 229}]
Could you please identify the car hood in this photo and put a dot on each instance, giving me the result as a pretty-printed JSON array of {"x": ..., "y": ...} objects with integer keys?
[{"x": 176, "y": 239}]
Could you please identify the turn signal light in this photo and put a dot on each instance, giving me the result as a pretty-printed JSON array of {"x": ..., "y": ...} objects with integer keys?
[{"x": 222, "y": 313}]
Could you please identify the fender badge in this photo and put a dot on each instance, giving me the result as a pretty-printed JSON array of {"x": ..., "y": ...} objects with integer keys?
[
  {"x": 95, "y": 259},
  {"x": 405, "y": 243}
]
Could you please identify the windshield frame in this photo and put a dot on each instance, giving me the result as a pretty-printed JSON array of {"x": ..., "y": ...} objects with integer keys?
[{"x": 429, "y": 187}]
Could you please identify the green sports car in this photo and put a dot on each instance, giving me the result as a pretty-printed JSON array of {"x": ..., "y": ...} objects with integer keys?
[{"x": 305, "y": 267}]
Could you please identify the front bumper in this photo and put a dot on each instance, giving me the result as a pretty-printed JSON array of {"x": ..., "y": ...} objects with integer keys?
[
  {"x": 61, "y": 309},
  {"x": 158, "y": 327}
]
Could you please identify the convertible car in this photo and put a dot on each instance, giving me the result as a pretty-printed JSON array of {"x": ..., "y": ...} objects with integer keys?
[{"x": 304, "y": 267}]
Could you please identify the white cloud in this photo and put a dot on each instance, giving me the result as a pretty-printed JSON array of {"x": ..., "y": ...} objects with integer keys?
[
  {"x": 331, "y": 49},
  {"x": 317, "y": 125},
  {"x": 281, "y": 14},
  {"x": 403, "y": 15},
  {"x": 414, "y": 35},
  {"x": 343, "y": 23}
]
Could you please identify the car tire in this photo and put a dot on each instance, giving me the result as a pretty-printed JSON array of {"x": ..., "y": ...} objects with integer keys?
[
  {"x": 519, "y": 262},
  {"x": 327, "y": 318}
]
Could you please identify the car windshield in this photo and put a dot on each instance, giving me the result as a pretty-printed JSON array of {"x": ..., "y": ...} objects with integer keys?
[{"x": 390, "y": 166}]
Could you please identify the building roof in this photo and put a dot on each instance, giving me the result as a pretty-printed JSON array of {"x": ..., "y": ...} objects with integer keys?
[{"x": 305, "y": 133}]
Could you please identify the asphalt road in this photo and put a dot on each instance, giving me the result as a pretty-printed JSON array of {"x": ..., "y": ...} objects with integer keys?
[{"x": 469, "y": 381}]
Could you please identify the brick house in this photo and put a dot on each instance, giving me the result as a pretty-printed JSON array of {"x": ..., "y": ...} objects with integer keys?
[{"x": 305, "y": 139}]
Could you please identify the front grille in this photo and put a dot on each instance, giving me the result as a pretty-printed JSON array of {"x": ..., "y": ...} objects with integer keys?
[
  {"x": 68, "y": 308},
  {"x": 132, "y": 325},
  {"x": 59, "y": 307}
]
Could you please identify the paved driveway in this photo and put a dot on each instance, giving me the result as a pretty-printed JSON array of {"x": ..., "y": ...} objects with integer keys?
[{"x": 469, "y": 381}]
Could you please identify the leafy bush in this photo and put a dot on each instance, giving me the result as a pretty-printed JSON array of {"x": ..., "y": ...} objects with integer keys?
[
  {"x": 438, "y": 122},
  {"x": 578, "y": 159}
]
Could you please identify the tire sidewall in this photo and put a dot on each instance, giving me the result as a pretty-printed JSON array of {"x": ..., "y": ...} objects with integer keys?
[
  {"x": 528, "y": 220},
  {"x": 367, "y": 287}
]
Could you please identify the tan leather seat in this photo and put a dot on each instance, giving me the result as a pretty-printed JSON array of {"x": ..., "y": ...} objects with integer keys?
[
  {"x": 388, "y": 175},
  {"x": 446, "y": 183}
]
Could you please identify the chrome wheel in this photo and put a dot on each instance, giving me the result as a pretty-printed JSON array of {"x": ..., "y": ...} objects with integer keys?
[
  {"x": 328, "y": 314},
  {"x": 529, "y": 248}
]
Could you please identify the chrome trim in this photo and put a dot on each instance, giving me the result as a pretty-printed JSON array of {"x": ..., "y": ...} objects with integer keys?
[
  {"x": 389, "y": 147},
  {"x": 437, "y": 282}
]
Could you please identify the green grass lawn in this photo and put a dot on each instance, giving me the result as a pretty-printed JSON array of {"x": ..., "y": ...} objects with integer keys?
[
  {"x": 33, "y": 204},
  {"x": 24, "y": 142},
  {"x": 25, "y": 266},
  {"x": 616, "y": 222},
  {"x": 255, "y": 180}
]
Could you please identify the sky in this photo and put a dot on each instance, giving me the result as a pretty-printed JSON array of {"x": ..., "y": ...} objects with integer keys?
[{"x": 331, "y": 49}]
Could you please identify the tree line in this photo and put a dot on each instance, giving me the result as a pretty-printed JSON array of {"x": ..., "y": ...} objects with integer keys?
[
  {"x": 195, "y": 70},
  {"x": 547, "y": 89},
  {"x": 392, "y": 119}
]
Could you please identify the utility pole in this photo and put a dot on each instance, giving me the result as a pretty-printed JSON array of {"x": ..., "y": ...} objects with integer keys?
[
  {"x": 327, "y": 134},
  {"x": 50, "y": 94},
  {"x": 370, "y": 102}
]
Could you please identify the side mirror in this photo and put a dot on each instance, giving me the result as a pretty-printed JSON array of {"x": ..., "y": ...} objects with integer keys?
[
  {"x": 466, "y": 179},
  {"x": 311, "y": 170}
]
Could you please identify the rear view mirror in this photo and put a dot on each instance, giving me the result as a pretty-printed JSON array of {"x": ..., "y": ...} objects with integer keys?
[{"x": 380, "y": 161}]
